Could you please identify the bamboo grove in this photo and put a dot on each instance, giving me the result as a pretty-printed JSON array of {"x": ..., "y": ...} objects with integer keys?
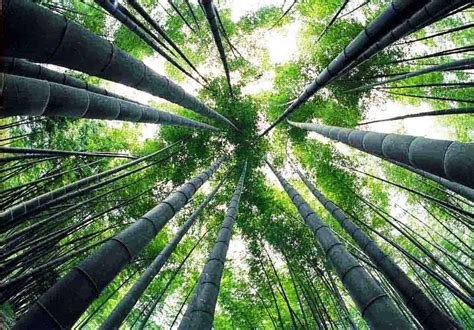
[{"x": 199, "y": 164}]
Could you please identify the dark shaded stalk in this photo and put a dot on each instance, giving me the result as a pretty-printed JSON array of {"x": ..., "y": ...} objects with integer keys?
[
  {"x": 49, "y": 152},
  {"x": 123, "y": 308},
  {"x": 458, "y": 50},
  {"x": 13, "y": 215},
  {"x": 226, "y": 36},
  {"x": 363, "y": 4},
  {"x": 190, "y": 291},
  {"x": 293, "y": 315},
  {"x": 426, "y": 196},
  {"x": 150, "y": 311},
  {"x": 132, "y": 17},
  {"x": 28, "y": 96},
  {"x": 433, "y": 85},
  {"x": 161, "y": 32},
  {"x": 284, "y": 15},
  {"x": 114, "y": 11},
  {"x": 36, "y": 34},
  {"x": 444, "y": 112},
  {"x": 451, "y": 160},
  {"x": 193, "y": 15},
  {"x": 415, "y": 242},
  {"x": 428, "y": 97},
  {"x": 200, "y": 313},
  {"x": 456, "y": 29},
  {"x": 455, "y": 65},
  {"x": 21, "y": 67},
  {"x": 425, "y": 311},
  {"x": 333, "y": 20},
  {"x": 176, "y": 9},
  {"x": 91, "y": 315},
  {"x": 440, "y": 278},
  {"x": 373, "y": 302},
  {"x": 397, "y": 21},
  {"x": 272, "y": 292},
  {"x": 210, "y": 12},
  {"x": 99, "y": 269}
]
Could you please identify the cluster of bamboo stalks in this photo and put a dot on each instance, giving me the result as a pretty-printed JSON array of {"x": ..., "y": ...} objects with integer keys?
[{"x": 33, "y": 224}]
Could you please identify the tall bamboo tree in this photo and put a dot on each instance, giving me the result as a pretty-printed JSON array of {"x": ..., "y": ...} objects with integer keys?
[
  {"x": 37, "y": 34},
  {"x": 451, "y": 160},
  {"x": 374, "y": 304},
  {"x": 427, "y": 313},
  {"x": 200, "y": 312},
  {"x": 120, "y": 312},
  {"x": 33, "y": 97},
  {"x": 62, "y": 305},
  {"x": 398, "y": 20}
]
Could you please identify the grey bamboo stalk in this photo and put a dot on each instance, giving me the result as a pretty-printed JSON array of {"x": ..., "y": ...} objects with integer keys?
[
  {"x": 49, "y": 152},
  {"x": 200, "y": 313},
  {"x": 210, "y": 11},
  {"x": 39, "y": 35},
  {"x": 425, "y": 311},
  {"x": 373, "y": 302},
  {"x": 161, "y": 32},
  {"x": 115, "y": 11},
  {"x": 14, "y": 213},
  {"x": 123, "y": 308},
  {"x": 450, "y": 160},
  {"x": 398, "y": 20},
  {"x": 459, "y": 65},
  {"x": 459, "y": 189},
  {"x": 63, "y": 304},
  {"x": 33, "y": 97},
  {"x": 21, "y": 67},
  {"x": 443, "y": 112}
]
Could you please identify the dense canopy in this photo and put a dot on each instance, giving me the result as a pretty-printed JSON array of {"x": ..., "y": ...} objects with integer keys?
[{"x": 237, "y": 164}]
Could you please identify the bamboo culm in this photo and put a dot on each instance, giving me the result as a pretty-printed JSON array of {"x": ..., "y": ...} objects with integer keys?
[
  {"x": 39, "y": 35},
  {"x": 427, "y": 313},
  {"x": 444, "y": 112},
  {"x": 399, "y": 19},
  {"x": 123, "y": 308},
  {"x": 200, "y": 313},
  {"x": 210, "y": 11},
  {"x": 24, "y": 96},
  {"x": 13, "y": 214},
  {"x": 65, "y": 301},
  {"x": 21, "y": 67},
  {"x": 49, "y": 152},
  {"x": 374, "y": 304},
  {"x": 451, "y": 160},
  {"x": 458, "y": 65}
]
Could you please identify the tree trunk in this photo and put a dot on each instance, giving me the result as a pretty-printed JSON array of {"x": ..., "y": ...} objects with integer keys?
[
  {"x": 24, "y": 68},
  {"x": 63, "y": 303},
  {"x": 123, "y": 308},
  {"x": 161, "y": 32},
  {"x": 451, "y": 160},
  {"x": 32, "y": 97},
  {"x": 155, "y": 301},
  {"x": 37, "y": 34},
  {"x": 49, "y": 152},
  {"x": 13, "y": 214},
  {"x": 374, "y": 304},
  {"x": 459, "y": 65},
  {"x": 210, "y": 11},
  {"x": 426, "y": 312},
  {"x": 200, "y": 313},
  {"x": 397, "y": 21},
  {"x": 455, "y": 111}
]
